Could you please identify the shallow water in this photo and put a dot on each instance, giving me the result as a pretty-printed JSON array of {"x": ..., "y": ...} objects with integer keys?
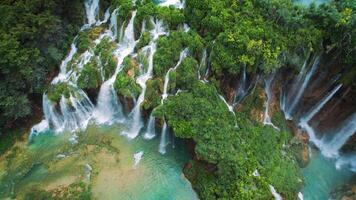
[
  {"x": 51, "y": 162},
  {"x": 322, "y": 177}
]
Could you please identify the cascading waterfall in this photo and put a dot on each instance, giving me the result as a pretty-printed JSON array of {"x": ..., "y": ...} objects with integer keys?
[
  {"x": 242, "y": 88},
  {"x": 320, "y": 105},
  {"x": 136, "y": 120},
  {"x": 92, "y": 11},
  {"x": 300, "y": 87},
  {"x": 164, "y": 133},
  {"x": 331, "y": 147},
  {"x": 203, "y": 63},
  {"x": 75, "y": 111},
  {"x": 266, "y": 117},
  {"x": 108, "y": 109},
  {"x": 151, "y": 128}
]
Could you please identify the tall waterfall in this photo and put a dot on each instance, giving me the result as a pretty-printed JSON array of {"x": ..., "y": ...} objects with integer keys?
[
  {"x": 203, "y": 64},
  {"x": 136, "y": 122},
  {"x": 298, "y": 89},
  {"x": 320, "y": 105},
  {"x": 266, "y": 117},
  {"x": 108, "y": 109},
  {"x": 164, "y": 133}
]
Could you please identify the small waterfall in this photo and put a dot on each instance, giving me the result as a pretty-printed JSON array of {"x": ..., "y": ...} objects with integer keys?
[
  {"x": 300, "y": 87},
  {"x": 163, "y": 143},
  {"x": 63, "y": 68},
  {"x": 151, "y": 128},
  {"x": 113, "y": 23},
  {"x": 331, "y": 147},
  {"x": 320, "y": 105},
  {"x": 136, "y": 120},
  {"x": 108, "y": 109},
  {"x": 176, "y": 3},
  {"x": 92, "y": 11},
  {"x": 51, "y": 115},
  {"x": 202, "y": 63},
  {"x": 41, "y": 127},
  {"x": 242, "y": 88},
  {"x": 275, "y": 193},
  {"x": 182, "y": 55},
  {"x": 267, "y": 119}
]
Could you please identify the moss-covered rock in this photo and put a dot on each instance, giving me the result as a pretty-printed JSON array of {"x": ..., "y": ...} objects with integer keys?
[
  {"x": 125, "y": 83},
  {"x": 89, "y": 77},
  {"x": 55, "y": 92}
]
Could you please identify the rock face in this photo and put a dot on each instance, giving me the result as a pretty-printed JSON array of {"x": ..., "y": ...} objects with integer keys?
[
  {"x": 300, "y": 145},
  {"x": 345, "y": 192}
]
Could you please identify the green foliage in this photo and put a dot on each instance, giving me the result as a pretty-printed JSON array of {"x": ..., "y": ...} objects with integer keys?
[
  {"x": 104, "y": 50},
  {"x": 153, "y": 94},
  {"x": 34, "y": 36},
  {"x": 198, "y": 113},
  {"x": 169, "y": 48},
  {"x": 89, "y": 76},
  {"x": 125, "y": 83},
  {"x": 55, "y": 92}
]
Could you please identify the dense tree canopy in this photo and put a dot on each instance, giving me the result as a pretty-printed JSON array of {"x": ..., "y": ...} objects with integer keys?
[{"x": 34, "y": 37}]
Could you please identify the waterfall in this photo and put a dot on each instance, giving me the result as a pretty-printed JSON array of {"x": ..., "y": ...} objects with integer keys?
[
  {"x": 113, "y": 23},
  {"x": 266, "y": 117},
  {"x": 176, "y": 3},
  {"x": 300, "y": 87},
  {"x": 202, "y": 63},
  {"x": 52, "y": 117},
  {"x": 320, "y": 105},
  {"x": 151, "y": 128},
  {"x": 274, "y": 193},
  {"x": 63, "y": 68},
  {"x": 108, "y": 109},
  {"x": 136, "y": 120},
  {"x": 163, "y": 143},
  {"x": 331, "y": 147},
  {"x": 348, "y": 161},
  {"x": 92, "y": 11},
  {"x": 242, "y": 88}
]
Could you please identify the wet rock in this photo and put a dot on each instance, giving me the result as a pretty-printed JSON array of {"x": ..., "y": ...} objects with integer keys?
[
  {"x": 299, "y": 145},
  {"x": 345, "y": 192}
]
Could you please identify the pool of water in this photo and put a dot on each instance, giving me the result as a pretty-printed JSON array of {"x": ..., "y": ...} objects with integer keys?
[
  {"x": 322, "y": 177},
  {"x": 102, "y": 158}
]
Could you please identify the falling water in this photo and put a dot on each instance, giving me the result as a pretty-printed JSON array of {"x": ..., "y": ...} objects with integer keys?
[
  {"x": 63, "y": 68},
  {"x": 331, "y": 147},
  {"x": 92, "y": 11},
  {"x": 136, "y": 119},
  {"x": 275, "y": 193},
  {"x": 54, "y": 119},
  {"x": 151, "y": 128},
  {"x": 164, "y": 133},
  {"x": 113, "y": 23},
  {"x": 108, "y": 109},
  {"x": 320, "y": 105},
  {"x": 202, "y": 63},
  {"x": 176, "y": 3},
  {"x": 300, "y": 88},
  {"x": 242, "y": 88},
  {"x": 267, "y": 118}
]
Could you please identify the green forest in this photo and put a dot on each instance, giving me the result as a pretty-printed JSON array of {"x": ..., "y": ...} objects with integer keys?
[{"x": 234, "y": 151}]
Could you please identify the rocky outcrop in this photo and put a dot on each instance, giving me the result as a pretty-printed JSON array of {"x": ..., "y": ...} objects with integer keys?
[{"x": 345, "y": 192}]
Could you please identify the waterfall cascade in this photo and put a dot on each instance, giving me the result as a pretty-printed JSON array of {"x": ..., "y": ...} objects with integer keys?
[
  {"x": 108, "y": 109},
  {"x": 266, "y": 118},
  {"x": 164, "y": 133},
  {"x": 151, "y": 128},
  {"x": 297, "y": 91},
  {"x": 136, "y": 121},
  {"x": 242, "y": 88},
  {"x": 275, "y": 193}
]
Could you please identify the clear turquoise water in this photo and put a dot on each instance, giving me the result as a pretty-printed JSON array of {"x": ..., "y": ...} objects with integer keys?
[{"x": 321, "y": 177}]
